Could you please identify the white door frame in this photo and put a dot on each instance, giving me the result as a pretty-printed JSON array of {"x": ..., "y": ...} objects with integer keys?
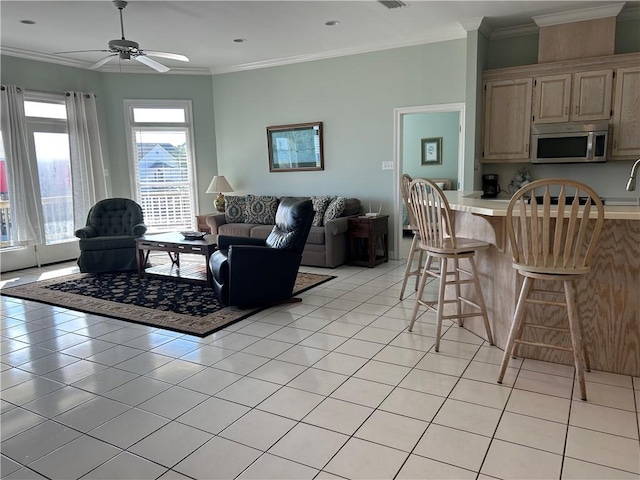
[{"x": 398, "y": 114}]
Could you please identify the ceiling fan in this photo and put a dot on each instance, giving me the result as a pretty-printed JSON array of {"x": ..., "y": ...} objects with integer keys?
[{"x": 128, "y": 49}]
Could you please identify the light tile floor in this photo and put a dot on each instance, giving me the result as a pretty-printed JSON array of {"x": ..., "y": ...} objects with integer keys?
[{"x": 333, "y": 387}]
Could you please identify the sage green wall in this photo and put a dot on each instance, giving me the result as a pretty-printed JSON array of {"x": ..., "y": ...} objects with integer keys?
[
  {"x": 417, "y": 126},
  {"x": 628, "y": 36},
  {"x": 111, "y": 90},
  {"x": 513, "y": 51},
  {"x": 353, "y": 96}
]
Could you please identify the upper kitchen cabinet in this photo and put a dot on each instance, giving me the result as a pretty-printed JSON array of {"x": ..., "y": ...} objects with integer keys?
[
  {"x": 626, "y": 114},
  {"x": 591, "y": 97},
  {"x": 507, "y": 120},
  {"x": 582, "y": 96},
  {"x": 552, "y": 99}
]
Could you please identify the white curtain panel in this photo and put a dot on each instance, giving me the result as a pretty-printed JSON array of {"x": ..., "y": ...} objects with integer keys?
[
  {"x": 22, "y": 171},
  {"x": 87, "y": 167}
]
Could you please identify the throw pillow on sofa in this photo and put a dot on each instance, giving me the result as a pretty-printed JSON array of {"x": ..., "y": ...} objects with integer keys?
[
  {"x": 335, "y": 208},
  {"x": 320, "y": 205},
  {"x": 261, "y": 209},
  {"x": 234, "y": 208}
]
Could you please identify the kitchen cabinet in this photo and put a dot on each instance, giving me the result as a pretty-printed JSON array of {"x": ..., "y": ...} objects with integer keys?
[
  {"x": 626, "y": 114},
  {"x": 577, "y": 97},
  {"x": 507, "y": 119}
]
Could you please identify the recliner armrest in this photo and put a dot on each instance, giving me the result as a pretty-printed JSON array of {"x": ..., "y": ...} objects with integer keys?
[
  {"x": 86, "y": 232},
  {"x": 224, "y": 241},
  {"x": 138, "y": 230}
]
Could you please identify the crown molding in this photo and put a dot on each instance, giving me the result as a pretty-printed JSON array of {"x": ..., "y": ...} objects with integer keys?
[
  {"x": 581, "y": 15},
  {"x": 114, "y": 68},
  {"x": 517, "y": 31},
  {"x": 478, "y": 23},
  {"x": 452, "y": 34}
]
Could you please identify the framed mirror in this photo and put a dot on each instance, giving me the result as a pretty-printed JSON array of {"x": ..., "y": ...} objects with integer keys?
[{"x": 295, "y": 147}]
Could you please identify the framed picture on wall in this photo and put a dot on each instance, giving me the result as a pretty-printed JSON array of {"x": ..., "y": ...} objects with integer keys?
[
  {"x": 431, "y": 151},
  {"x": 295, "y": 147}
]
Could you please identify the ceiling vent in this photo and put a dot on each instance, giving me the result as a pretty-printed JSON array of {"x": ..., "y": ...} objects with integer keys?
[{"x": 392, "y": 3}]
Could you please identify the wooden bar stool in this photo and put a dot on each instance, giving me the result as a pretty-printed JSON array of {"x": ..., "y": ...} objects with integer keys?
[
  {"x": 405, "y": 180},
  {"x": 555, "y": 244},
  {"x": 436, "y": 227}
]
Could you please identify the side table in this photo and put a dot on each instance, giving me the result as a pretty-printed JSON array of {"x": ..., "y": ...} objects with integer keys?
[
  {"x": 202, "y": 223},
  {"x": 368, "y": 240}
]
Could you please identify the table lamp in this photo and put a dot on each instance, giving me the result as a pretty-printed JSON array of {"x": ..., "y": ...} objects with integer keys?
[{"x": 218, "y": 185}]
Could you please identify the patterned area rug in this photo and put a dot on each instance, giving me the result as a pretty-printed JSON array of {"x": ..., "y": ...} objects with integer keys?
[{"x": 183, "y": 307}]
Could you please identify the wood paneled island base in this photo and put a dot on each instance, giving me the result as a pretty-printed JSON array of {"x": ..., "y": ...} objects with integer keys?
[{"x": 608, "y": 298}]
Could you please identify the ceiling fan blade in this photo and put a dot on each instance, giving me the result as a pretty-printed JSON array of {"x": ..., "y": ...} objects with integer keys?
[
  {"x": 79, "y": 51},
  {"x": 101, "y": 62},
  {"x": 170, "y": 56},
  {"x": 151, "y": 63}
]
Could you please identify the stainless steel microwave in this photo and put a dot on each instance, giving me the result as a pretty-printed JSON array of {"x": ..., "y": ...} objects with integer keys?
[{"x": 570, "y": 142}]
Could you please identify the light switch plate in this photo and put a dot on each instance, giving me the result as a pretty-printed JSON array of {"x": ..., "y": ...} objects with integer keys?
[{"x": 387, "y": 165}]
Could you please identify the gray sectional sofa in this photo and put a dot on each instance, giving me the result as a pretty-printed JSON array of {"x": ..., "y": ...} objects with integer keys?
[{"x": 254, "y": 216}]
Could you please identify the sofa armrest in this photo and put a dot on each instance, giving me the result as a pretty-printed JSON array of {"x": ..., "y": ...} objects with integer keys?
[
  {"x": 214, "y": 221},
  {"x": 224, "y": 241},
  {"x": 86, "y": 232},
  {"x": 337, "y": 226},
  {"x": 139, "y": 230}
]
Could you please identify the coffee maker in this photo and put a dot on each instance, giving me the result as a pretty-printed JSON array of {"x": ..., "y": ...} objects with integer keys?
[{"x": 490, "y": 187}]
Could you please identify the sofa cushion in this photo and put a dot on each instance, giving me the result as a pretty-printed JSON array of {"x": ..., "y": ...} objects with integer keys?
[
  {"x": 352, "y": 207},
  {"x": 335, "y": 208},
  {"x": 320, "y": 204},
  {"x": 261, "y": 209},
  {"x": 234, "y": 208},
  {"x": 235, "y": 229},
  {"x": 260, "y": 231}
]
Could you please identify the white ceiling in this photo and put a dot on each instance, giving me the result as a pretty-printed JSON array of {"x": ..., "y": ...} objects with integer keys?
[{"x": 276, "y": 32}]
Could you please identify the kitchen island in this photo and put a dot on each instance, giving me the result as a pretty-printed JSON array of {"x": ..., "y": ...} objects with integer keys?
[{"x": 608, "y": 298}]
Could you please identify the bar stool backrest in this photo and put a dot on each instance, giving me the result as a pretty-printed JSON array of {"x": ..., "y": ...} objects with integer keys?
[
  {"x": 432, "y": 213},
  {"x": 405, "y": 180},
  {"x": 542, "y": 243}
]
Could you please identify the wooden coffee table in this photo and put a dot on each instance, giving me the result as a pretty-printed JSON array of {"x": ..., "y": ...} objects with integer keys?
[{"x": 175, "y": 244}]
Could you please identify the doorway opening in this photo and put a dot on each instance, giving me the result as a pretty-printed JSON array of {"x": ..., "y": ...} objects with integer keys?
[{"x": 415, "y": 127}]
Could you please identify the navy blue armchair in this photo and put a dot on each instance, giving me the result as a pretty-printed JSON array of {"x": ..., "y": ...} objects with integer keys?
[{"x": 108, "y": 241}]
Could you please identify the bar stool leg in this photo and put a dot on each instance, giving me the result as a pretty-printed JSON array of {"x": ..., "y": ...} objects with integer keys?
[
  {"x": 407, "y": 269},
  {"x": 480, "y": 295},
  {"x": 443, "y": 282},
  {"x": 456, "y": 275},
  {"x": 423, "y": 282},
  {"x": 518, "y": 320},
  {"x": 576, "y": 334}
]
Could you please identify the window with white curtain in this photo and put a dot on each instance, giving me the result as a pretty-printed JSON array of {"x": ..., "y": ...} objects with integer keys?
[
  {"x": 48, "y": 140},
  {"x": 160, "y": 137}
]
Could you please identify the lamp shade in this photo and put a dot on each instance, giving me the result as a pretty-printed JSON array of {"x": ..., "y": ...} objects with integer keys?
[{"x": 219, "y": 184}]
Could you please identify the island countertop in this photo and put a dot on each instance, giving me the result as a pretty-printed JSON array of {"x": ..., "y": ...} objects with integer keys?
[{"x": 470, "y": 201}]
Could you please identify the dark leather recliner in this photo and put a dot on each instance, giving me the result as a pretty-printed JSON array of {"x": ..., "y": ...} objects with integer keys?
[
  {"x": 108, "y": 241},
  {"x": 250, "y": 272}
]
